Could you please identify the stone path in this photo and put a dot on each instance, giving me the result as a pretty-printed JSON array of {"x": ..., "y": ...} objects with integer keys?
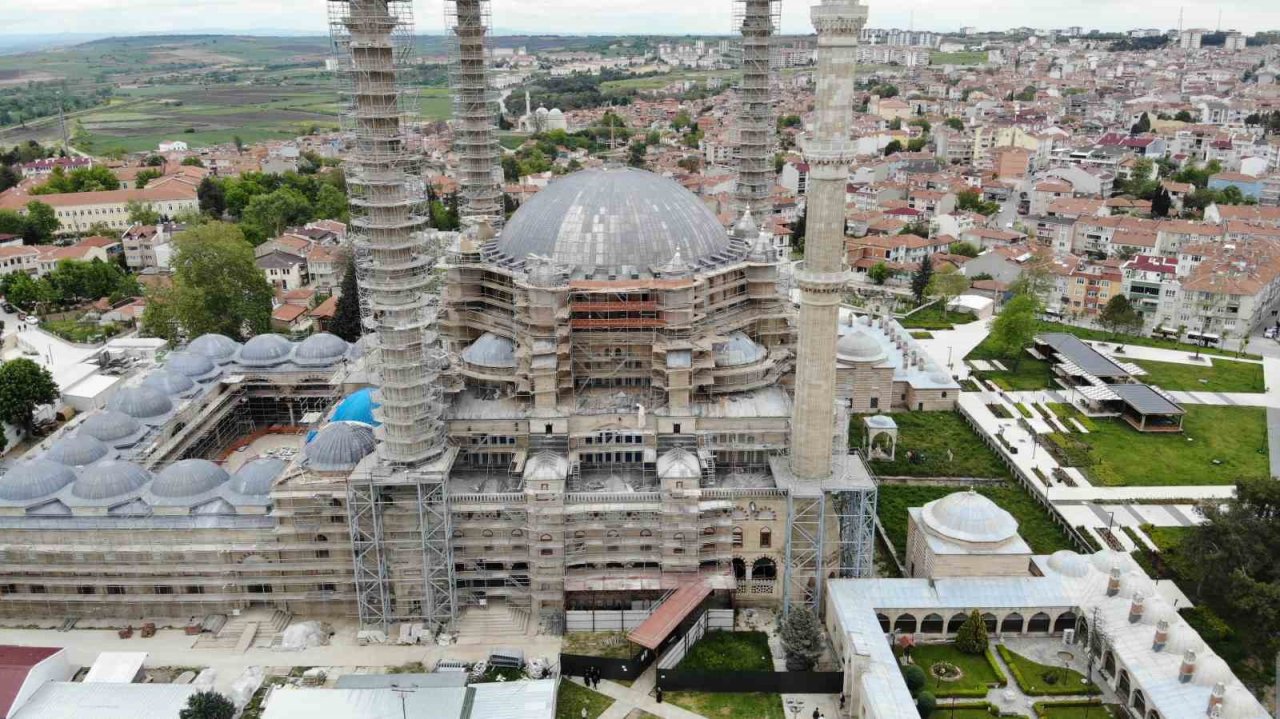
[
  {"x": 637, "y": 696},
  {"x": 1011, "y": 698}
]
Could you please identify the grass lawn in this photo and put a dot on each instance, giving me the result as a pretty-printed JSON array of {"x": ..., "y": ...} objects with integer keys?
[
  {"x": 1222, "y": 376},
  {"x": 1086, "y": 333},
  {"x": 966, "y": 57},
  {"x": 935, "y": 317},
  {"x": 922, "y": 334},
  {"x": 1049, "y": 710},
  {"x": 1116, "y": 455},
  {"x": 80, "y": 332},
  {"x": 1166, "y": 538},
  {"x": 977, "y": 673},
  {"x": 1039, "y": 679},
  {"x": 729, "y": 652},
  {"x": 1029, "y": 374},
  {"x": 573, "y": 698},
  {"x": 599, "y": 644},
  {"x": 945, "y": 711},
  {"x": 1034, "y": 524},
  {"x": 933, "y": 433},
  {"x": 727, "y": 706}
]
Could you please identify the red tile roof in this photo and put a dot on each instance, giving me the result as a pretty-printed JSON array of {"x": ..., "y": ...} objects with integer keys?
[{"x": 15, "y": 664}]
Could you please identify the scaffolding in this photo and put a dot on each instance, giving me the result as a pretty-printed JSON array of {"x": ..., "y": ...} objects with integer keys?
[
  {"x": 475, "y": 108},
  {"x": 757, "y": 21}
]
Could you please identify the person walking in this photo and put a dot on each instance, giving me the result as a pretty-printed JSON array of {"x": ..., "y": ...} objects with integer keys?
[
  {"x": 658, "y": 694},
  {"x": 817, "y": 714}
]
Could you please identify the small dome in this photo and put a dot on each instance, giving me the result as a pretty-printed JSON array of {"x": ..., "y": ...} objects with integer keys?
[
  {"x": 171, "y": 383},
  {"x": 339, "y": 447},
  {"x": 187, "y": 478},
  {"x": 265, "y": 351},
  {"x": 219, "y": 348},
  {"x": 969, "y": 517},
  {"x": 110, "y": 426},
  {"x": 34, "y": 479},
  {"x": 881, "y": 421},
  {"x": 859, "y": 346},
  {"x": 1069, "y": 563},
  {"x": 739, "y": 351},
  {"x": 546, "y": 466},
  {"x": 939, "y": 376},
  {"x": 190, "y": 364},
  {"x": 321, "y": 350},
  {"x": 77, "y": 450},
  {"x": 109, "y": 479},
  {"x": 1103, "y": 560},
  {"x": 358, "y": 407},
  {"x": 140, "y": 402},
  {"x": 490, "y": 350},
  {"x": 255, "y": 478},
  {"x": 1238, "y": 703},
  {"x": 1210, "y": 670}
]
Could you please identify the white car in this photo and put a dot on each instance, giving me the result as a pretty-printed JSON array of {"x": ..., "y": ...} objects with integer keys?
[{"x": 1270, "y": 333}]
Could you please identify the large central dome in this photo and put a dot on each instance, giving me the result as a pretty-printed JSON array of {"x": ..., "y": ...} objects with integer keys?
[{"x": 615, "y": 222}]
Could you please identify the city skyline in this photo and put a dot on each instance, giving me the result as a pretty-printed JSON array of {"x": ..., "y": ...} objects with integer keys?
[{"x": 129, "y": 17}]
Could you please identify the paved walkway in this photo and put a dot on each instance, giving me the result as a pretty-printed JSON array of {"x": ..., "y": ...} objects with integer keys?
[
  {"x": 637, "y": 696},
  {"x": 954, "y": 344}
]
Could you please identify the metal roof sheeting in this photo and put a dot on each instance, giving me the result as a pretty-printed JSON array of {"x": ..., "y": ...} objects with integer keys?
[
  {"x": 1088, "y": 359},
  {"x": 1145, "y": 400},
  {"x": 654, "y": 630}
]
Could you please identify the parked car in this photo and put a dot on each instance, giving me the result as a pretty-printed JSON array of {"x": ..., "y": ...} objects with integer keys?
[{"x": 8, "y": 308}]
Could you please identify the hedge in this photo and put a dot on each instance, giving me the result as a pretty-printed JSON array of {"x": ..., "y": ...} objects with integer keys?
[{"x": 1041, "y": 688}]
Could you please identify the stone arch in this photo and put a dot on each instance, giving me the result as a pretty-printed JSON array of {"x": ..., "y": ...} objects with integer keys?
[
  {"x": 737, "y": 536},
  {"x": 1109, "y": 663},
  {"x": 990, "y": 620},
  {"x": 486, "y": 533},
  {"x": 905, "y": 623},
  {"x": 612, "y": 533},
  {"x": 546, "y": 538},
  {"x": 932, "y": 624},
  {"x": 764, "y": 568},
  {"x": 1039, "y": 622},
  {"x": 739, "y": 569},
  {"x": 646, "y": 533},
  {"x": 1065, "y": 621},
  {"x": 766, "y": 538},
  {"x": 1123, "y": 685},
  {"x": 1011, "y": 624},
  {"x": 1139, "y": 702},
  {"x": 955, "y": 622},
  {"x": 884, "y": 622}
]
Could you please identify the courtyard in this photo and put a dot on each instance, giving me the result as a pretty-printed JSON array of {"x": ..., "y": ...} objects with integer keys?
[
  {"x": 1220, "y": 376},
  {"x": 729, "y": 652},
  {"x": 934, "y": 444}
]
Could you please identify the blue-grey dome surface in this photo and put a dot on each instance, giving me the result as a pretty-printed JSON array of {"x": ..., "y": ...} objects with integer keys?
[
  {"x": 255, "y": 478},
  {"x": 190, "y": 364},
  {"x": 739, "y": 350},
  {"x": 77, "y": 450},
  {"x": 339, "y": 447},
  {"x": 219, "y": 348},
  {"x": 169, "y": 382},
  {"x": 187, "y": 478},
  {"x": 490, "y": 350},
  {"x": 34, "y": 479},
  {"x": 320, "y": 350},
  {"x": 110, "y": 426},
  {"x": 621, "y": 221},
  {"x": 265, "y": 351},
  {"x": 109, "y": 479},
  {"x": 140, "y": 402}
]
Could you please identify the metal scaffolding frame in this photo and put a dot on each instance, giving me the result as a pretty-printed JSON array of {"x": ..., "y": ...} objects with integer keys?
[
  {"x": 757, "y": 21},
  {"x": 475, "y": 112}
]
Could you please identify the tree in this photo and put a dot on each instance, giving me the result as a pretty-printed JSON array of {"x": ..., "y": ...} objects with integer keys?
[
  {"x": 895, "y": 123},
  {"x": 331, "y": 204},
  {"x": 636, "y": 154},
  {"x": 1161, "y": 204},
  {"x": 142, "y": 178},
  {"x": 1142, "y": 126},
  {"x": 207, "y": 705},
  {"x": 925, "y": 704},
  {"x": 142, "y": 214},
  {"x": 971, "y": 638},
  {"x": 1015, "y": 327},
  {"x": 217, "y": 287},
  {"x": 239, "y": 143},
  {"x": 893, "y": 148},
  {"x": 266, "y": 216},
  {"x": 346, "y": 317},
  {"x": 798, "y": 231},
  {"x": 192, "y": 161},
  {"x": 955, "y": 123},
  {"x": 946, "y": 285},
  {"x": 24, "y": 386},
  {"x": 84, "y": 179},
  {"x": 1119, "y": 316},
  {"x": 971, "y": 201},
  {"x": 920, "y": 280},
  {"x": 42, "y": 222},
  {"x": 213, "y": 200},
  {"x": 914, "y": 677},
  {"x": 1184, "y": 116},
  {"x": 25, "y": 291},
  {"x": 964, "y": 249},
  {"x": 801, "y": 637},
  {"x": 879, "y": 273}
]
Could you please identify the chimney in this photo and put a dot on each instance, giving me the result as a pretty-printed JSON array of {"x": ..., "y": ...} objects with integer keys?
[
  {"x": 1162, "y": 635},
  {"x": 1215, "y": 698},
  {"x": 1113, "y": 582},
  {"x": 1188, "y": 667},
  {"x": 1135, "y": 608}
]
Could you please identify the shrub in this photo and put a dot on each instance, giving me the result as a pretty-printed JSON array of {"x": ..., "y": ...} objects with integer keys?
[
  {"x": 915, "y": 678},
  {"x": 801, "y": 639},
  {"x": 925, "y": 704},
  {"x": 972, "y": 635}
]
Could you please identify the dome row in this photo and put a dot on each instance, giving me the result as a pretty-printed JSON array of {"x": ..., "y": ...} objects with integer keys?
[{"x": 114, "y": 478}]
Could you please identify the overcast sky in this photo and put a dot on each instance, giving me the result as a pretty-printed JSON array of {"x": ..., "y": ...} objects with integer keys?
[{"x": 126, "y": 17}]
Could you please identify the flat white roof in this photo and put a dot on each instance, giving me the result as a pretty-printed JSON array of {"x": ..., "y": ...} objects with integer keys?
[
  {"x": 74, "y": 700},
  {"x": 116, "y": 667},
  {"x": 294, "y": 702},
  {"x": 515, "y": 700}
]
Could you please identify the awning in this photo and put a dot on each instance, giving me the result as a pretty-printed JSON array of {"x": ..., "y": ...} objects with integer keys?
[{"x": 664, "y": 620}]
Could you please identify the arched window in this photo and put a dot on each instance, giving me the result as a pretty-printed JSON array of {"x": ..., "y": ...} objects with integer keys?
[
  {"x": 517, "y": 532},
  {"x": 737, "y": 537},
  {"x": 990, "y": 620},
  {"x": 766, "y": 538},
  {"x": 579, "y": 534},
  {"x": 709, "y": 530},
  {"x": 764, "y": 568},
  {"x": 1012, "y": 623},
  {"x": 884, "y": 622},
  {"x": 955, "y": 622},
  {"x": 905, "y": 624},
  {"x": 739, "y": 569},
  {"x": 1065, "y": 621},
  {"x": 1039, "y": 622},
  {"x": 545, "y": 538},
  {"x": 646, "y": 533},
  {"x": 612, "y": 533},
  {"x": 931, "y": 624},
  {"x": 487, "y": 533},
  {"x": 458, "y": 534}
]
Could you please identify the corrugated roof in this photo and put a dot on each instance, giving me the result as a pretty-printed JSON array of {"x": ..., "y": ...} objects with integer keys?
[
  {"x": 654, "y": 630},
  {"x": 1145, "y": 400},
  {"x": 1072, "y": 349}
]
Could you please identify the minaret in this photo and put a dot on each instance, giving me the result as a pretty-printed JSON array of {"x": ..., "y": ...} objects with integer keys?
[
  {"x": 757, "y": 20},
  {"x": 475, "y": 113},
  {"x": 823, "y": 274}
]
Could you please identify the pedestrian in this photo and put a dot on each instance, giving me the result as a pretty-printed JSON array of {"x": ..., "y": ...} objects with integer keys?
[
  {"x": 842, "y": 701},
  {"x": 658, "y": 694},
  {"x": 584, "y": 713},
  {"x": 816, "y": 714}
]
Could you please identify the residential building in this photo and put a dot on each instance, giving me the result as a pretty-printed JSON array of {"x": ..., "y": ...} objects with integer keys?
[
  {"x": 283, "y": 270},
  {"x": 79, "y": 211}
]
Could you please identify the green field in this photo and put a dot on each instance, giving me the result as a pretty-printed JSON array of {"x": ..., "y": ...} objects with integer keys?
[
  {"x": 1218, "y": 445},
  {"x": 933, "y": 434},
  {"x": 973, "y": 57},
  {"x": 977, "y": 673},
  {"x": 728, "y": 652},
  {"x": 935, "y": 317},
  {"x": 573, "y": 698},
  {"x": 1034, "y": 524},
  {"x": 1221, "y": 376},
  {"x": 1092, "y": 335}
]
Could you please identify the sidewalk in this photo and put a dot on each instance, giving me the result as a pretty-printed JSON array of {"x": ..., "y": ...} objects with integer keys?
[{"x": 630, "y": 698}]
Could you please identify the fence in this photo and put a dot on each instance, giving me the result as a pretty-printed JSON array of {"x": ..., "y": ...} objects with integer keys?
[
  {"x": 604, "y": 621},
  {"x": 609, "y": 668},
  {"x": 710, "y": 620},
  {"x": 671, "y": 680}
]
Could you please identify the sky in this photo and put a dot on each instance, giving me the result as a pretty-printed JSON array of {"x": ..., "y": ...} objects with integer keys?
[{"x": 128, "y": 17}]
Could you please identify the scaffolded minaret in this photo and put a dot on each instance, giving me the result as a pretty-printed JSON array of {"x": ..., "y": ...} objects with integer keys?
[
  {"x": 757, "y": 21},
  {"x": 823, "y": 274},
  {"x": 475, "y": 109}
]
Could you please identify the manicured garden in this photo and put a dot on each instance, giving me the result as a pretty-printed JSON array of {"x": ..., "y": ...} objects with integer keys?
[
  {"x": 1077, "y": 710},
  {"x": 1221, "y": 376},
  {"x": 1218, "y": 445},
  {"x": 976, "y": 672},
  {"x": 931, "y": 435},
  {"x": 729, "y": 652},
  {"x": 935, "y": 317},
  {"x": 80, "y": 332},
  {"x": 1039, "y": 679},
  {"x": 1027, "y": 374},
  {"x": 1034, "y": 524},
  {"x": 573, "y": 698}
]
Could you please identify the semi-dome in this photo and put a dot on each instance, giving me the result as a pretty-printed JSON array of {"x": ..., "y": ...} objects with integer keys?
[
  {"x": 219, "y": 348},
  {"x": 320, "y": 350},
  {"x": 34, "y": 479},
  {"x": 170, "y": 382},
  {"x": 140, "y": 402},
  {"x": 739, "y": 350},
  {"x": 615, "y": 221},
  {"x": 192, "y": 364},
  {"x": 859, "y": 346},
  {"x": 112, "y": 478},
  {"x": 255, "y": 478},
  {"x": 77, "y": 450},
  {"x": 187, "y": 478},
  {"x": 969, "y": 517},
  {"x": 490, "y": 350},
  {"x": 357, "y": 407},
  {"x": 265, "y": 351},
  {"x": 110, "y": 426},
  {"x": 1069, "y": 563},
  {"x": 339, "y": 447}
]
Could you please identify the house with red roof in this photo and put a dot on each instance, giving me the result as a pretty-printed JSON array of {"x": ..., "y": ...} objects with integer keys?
[{"x": 23, "y": 670}]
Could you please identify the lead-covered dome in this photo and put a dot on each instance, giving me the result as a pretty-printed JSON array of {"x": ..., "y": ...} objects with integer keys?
[
  {"x": 490, "y": 350},
  {"x": 140, "y": 402},
  {"x": 255, "y": 478},
  {"x": 615, "y": 221},
  {"x": 110, "y": 426},
  {"x": 34, "y": 479},
  {"x": 169, "y": 382},
  {"x": 320, "y": 350},
  {"x": 219, "y": 348},
  {"x": 109, "y": 479},
  {"x": 187, "y": 478},
  {"x": 1069, "y": 563},
  {"x": 77, "y": 450},
  {"x": 192, "y": 364},
  {"x": 738, "y": 351},
  {"x": 265, "y": 351},
  {"x": 859, "y": 346},
  {"x": 969, "y": 517},
  {"x": 339, "y": 447}
]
